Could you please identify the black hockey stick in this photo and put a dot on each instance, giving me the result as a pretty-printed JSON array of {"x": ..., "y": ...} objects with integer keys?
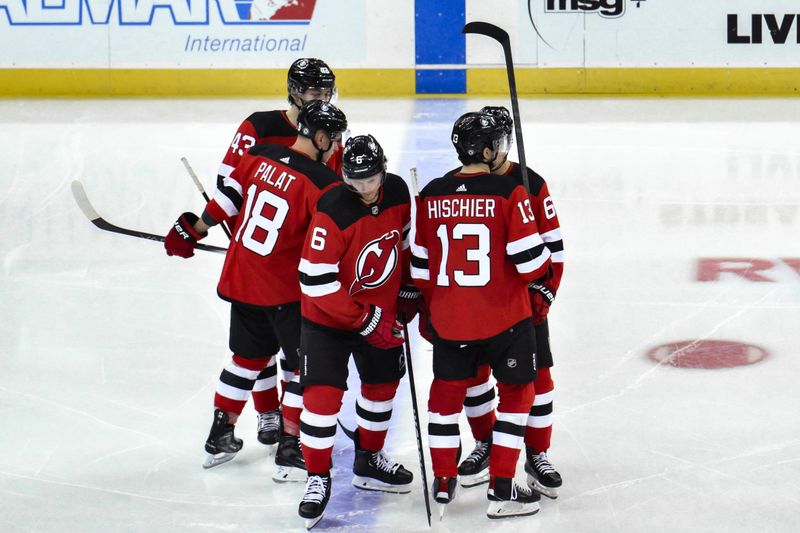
[
  {"x": 202, "y": 190},
  {"x": 415, "y": 410},
  {"x": 501, "y": 36},
  {"x": 103, "y": 224}
]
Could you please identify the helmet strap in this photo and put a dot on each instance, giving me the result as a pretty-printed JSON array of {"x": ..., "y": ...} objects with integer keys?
[{"x": 320, "y": 150}]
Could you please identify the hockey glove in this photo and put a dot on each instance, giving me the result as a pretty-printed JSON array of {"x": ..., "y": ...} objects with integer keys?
[
  {"x": 541, "y": 299},
  {"x": 380, "y": 329},
  {"x": 182, "y": 238},
  {"x": 408, "y": 300}
]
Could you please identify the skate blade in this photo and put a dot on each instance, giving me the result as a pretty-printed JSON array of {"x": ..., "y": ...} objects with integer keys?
[
  {"x": 474, "y": 480},
  {"x": 213, "y": 460},
  {"x": 366, "y": 483},
  {"x": 288, "y": 474},
  {"x": 311, "y": 522},
  {"x": 505, "y": 509},
  {"x": 550, "y": 492}
]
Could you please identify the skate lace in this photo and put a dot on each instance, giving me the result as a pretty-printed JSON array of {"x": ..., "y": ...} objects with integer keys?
[
  {"x": 269, "y": 421},
  {"x": 384, "y": 463},
  {"x": 316, "y": 487},
  {"x": 479, "y": 453},
  {"x": 542, "y": 464},
  {"x": 516, "y": 490}
]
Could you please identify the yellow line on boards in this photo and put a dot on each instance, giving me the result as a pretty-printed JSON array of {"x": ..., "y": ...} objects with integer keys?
[{"x": 531, "y": 82}]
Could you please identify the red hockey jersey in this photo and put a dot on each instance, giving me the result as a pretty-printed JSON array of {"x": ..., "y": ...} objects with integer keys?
[
  {"x": 355, "y": 254},
  {"x": 544, "y": 212},
  {"x": 260, "y": 127},
  {"x": 476, "y": 247},
  {"x": 280, "y": 188}
]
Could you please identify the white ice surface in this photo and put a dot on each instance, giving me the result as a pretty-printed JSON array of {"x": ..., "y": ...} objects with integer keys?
[{"x": 110, "y": 350}]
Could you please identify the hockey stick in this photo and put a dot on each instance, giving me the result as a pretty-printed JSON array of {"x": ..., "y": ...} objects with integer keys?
[
  {"x": 414, "y": 408},
  {"x": 202, "y": 190},
  {"x": 501, "y": 36},
  {"x": 103, "y": 224}
]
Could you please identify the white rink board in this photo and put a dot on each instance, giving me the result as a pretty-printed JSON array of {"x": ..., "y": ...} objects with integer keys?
[
  {"x": 202, "y": 34},
  {"x": 654, "y": 34}
]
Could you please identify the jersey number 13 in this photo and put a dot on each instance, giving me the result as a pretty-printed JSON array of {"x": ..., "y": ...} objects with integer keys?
[{"x": 479, "y": 256}]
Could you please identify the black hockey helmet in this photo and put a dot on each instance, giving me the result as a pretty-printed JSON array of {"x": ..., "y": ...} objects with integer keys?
[
  {"x": 502, "y": 116},
  {"x": 473, "y": 132},
  {"x": 310, "y": 73},
  {"x": 363, "y": 158},
  {"x": 318, "y": 115}
]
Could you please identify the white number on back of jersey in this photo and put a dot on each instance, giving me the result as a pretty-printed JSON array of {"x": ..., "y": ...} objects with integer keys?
[
  {"x": 318, "y": 239},
  {"x": 246, "y": 140},
  {"x": 549, "y": 208},
  {"x": 254, "y": 219},
  {"x": 525, "y": 210},
  {"x": 479, "y": 255}
]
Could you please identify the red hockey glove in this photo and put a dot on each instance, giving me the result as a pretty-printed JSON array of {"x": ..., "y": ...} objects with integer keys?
[
  {"x": 182, "y": 238},
  {"x": 408, "y": 304},
  {"x": 541, "y": 299},
  {"x": 380, "y": 329}
]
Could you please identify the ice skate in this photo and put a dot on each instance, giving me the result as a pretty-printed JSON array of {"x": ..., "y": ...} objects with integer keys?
[
  {"x": 221, "y": 445},
  {"x": 507, "y": 499},
  {"x": 269, "y": 427},
  {"x": 315, "y": 499},
  {"x": 443, "y": 490},
  {"x": 289, "y": 462},
  {"x": 542, "y": 477},
  {"x": 474, "y": 470},
  {"x": 375, "y": 471}
]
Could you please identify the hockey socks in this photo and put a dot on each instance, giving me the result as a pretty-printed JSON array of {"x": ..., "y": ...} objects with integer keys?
[
  {"x": 540, "y": 420},
  {"x": 321, "y": 406}
]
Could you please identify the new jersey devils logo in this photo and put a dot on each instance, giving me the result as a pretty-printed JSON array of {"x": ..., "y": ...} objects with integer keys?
[{"x": 376, "y": 262}]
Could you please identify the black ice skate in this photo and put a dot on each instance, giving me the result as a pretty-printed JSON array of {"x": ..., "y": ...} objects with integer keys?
[
  {"x": 318, "y": 492},
  {"x": 542, "y": 477},
  {"x": 507, "y": 499},
  {"x": 375, "y": 471},
  {"x": 269, "y": 426},
  {"x": 221, "y": 445},
  {"x": 474, "y": 470},
  {"x": 443, "y": 490},
  {"x": 289, "y": 462}
]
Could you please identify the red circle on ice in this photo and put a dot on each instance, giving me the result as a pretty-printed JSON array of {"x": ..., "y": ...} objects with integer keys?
[{"x": 707, "y": 353}]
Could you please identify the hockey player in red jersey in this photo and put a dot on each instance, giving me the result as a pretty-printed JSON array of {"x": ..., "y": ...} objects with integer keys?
[
  {"x": 280, "y": 187},
  {"x": 478, "y": 404},
  {"x": 308, "y": 79},
  {"x": 353, "y": 264},
  {"x": 476, "y": 248}
]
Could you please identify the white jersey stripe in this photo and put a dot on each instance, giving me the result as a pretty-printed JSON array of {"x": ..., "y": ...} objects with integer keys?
[
  {"x": 317, "y": 269},
  {"x": 533, "y": 264},
  {"x": 552, "y": 236},
  {"x": 523, "y": 244},
  {"x": 225, "y": 170},
  {"x": 315, "y": 291}
]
